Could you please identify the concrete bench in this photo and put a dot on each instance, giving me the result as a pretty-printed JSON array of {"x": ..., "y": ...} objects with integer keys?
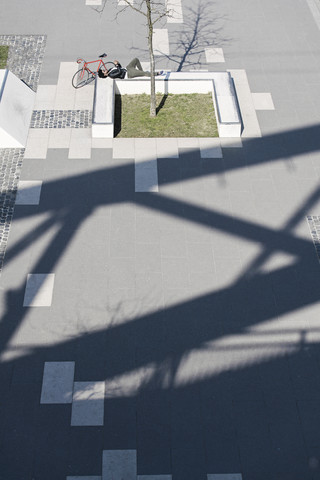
[
  {"x": 16, "y": 105},
  {"x": 103, "y": 108},
  {"x": 219, "y": 84}
]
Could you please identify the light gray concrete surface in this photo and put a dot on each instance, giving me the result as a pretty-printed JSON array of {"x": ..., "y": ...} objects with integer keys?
[
  {"x": 57, "y": 385},
  {"x": 197, "y": 305}
]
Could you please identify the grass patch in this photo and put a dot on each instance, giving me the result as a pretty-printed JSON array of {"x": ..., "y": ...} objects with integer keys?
[
  {"x": 4, "y": 51},
  {"x": 189, "y": 115}
]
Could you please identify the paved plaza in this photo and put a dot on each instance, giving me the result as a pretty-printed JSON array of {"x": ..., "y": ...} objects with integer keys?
[{"x": 159, "y": 298}]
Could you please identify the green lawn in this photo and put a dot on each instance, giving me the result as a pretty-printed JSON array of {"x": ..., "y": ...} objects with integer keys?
[
  {"x": 4, "y": 50},
  {"x": 189, "y": 115}
]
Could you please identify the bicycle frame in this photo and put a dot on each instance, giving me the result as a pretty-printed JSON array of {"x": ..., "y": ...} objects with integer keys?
[{"x": 85, "y": 65}]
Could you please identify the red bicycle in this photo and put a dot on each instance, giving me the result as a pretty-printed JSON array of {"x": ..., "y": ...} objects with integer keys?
[{"x": 87, "y": 74}]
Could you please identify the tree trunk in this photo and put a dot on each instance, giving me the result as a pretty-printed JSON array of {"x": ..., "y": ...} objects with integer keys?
[{"x": 152, "y": 69}]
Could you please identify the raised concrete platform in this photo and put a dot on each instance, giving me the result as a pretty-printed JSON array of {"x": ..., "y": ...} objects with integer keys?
[
  {"x": 16, "y": 104},
  {"x": 219, "y": 84}
]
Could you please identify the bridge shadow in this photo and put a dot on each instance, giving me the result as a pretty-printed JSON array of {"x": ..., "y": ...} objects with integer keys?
[{"x": 220, "y": 379}]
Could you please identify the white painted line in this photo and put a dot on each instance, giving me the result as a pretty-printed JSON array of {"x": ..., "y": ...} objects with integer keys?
[
  {"x": 88, "y": 404},
  {"x": 161, "y": 41},
  {"x": 224, "y": 476},
  {"x": 174, "y": 8},
  {"x": 123, "y": 148},
  {"x": 57, "y": 384},
  {"x": 251, "y": 128},
  {"x": 214, "y": 55},
  {"x": 45, "y": 97},
  {"x": 146, "y": 165},
  {"x": 262, "y": 101},
  {"x": 80, "y": 143},
  {"x": 37, "y": 143},
  {"x": 188, "y": 142},
  {"x": 39, "y": 290},
  {"x": 231, "y": 142},
  {"x": 59, "y": 137},
  {"x": 119, "y": 464},
  {"x": 167, "y": 148},
  {"x": 210, "y": 148},
  {"x": 28, "y": 192}
]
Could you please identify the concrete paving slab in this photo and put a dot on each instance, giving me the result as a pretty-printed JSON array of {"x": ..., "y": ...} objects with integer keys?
[
  {"x": 37, "y": 143},
  {"x": 59, "y": 138},
  {"x": 174, "y": 7},
  {"x": 39, "y": 290},
  {"x": 161, "y": 41},
  {"x": 154, "y": 477},
  {"x": 119, "y": 464},
  {"x": 210, "y": 148},
  {"x": 80, "y": 143},
  {"x": 28, "y": 192},
  {"x": 123, "y": 148},
  {"x": 188, "y": 142},
  {"x": 87, "y": 404},
  {"x": 262, "y": 101},
  {"x": 167, "y": 148},
  {"x": 214, "y": 55},
  {"x": 57, "y": 384},
  {"x": 45, "y": 97}
]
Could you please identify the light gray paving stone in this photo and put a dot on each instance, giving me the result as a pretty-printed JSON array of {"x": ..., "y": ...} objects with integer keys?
[
  {"x": 190, "y": 142},
  {"x": 154, "y": 477},
  {"x": 214, "y": 55},
  {"x": 84, "y": 478},
  {"x": 161, "y": 41},
  {"x": 88, "y": 404},
  {"x": 102, "y": 142},
  {"x": 146, "y": 179},
  {"x": 224, "y": 476},
  {"x": 231, "y": 142},
  {"x": 315, "y": 10},
  {"x": 210, "y": 148},
  {"x": 119, "y": 465},
  {"x": 123, "y": 148},
  {"x": 167, "y": 148},
  {"x": 262, "y": 101},
  {"x": 57, "y": 384},
  {"x": 29, "y": 192},
  {"x": 174, "y": 8},
  {"x": 251, "y": 126},
  {"x": 39, "y": 290}
]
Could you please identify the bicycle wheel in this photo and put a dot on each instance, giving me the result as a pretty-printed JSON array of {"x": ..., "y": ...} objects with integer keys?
[{"x": 81, "y": 78}]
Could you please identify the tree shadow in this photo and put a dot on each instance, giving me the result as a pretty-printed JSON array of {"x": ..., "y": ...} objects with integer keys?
[
  {"x": 162, "y": 103},
  {"x": 200, "y": 30}
]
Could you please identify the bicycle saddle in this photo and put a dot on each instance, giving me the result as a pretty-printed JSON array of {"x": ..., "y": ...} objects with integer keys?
[{"x": 103, "y": 55}]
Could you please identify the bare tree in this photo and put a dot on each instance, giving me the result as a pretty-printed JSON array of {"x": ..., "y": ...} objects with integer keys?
[{"x": 153, "y": 11}]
